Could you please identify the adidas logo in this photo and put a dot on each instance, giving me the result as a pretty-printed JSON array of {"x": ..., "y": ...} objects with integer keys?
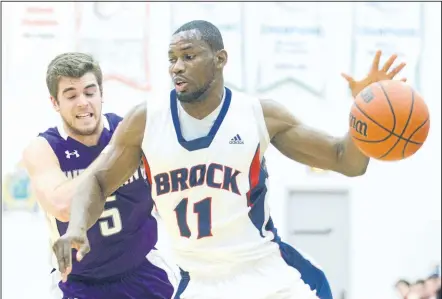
[{"x": 236, "y": 140}]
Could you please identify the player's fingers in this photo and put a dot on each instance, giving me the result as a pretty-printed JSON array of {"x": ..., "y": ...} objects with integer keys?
[
  {"x": 347, "y": 77},
  {"x": 64, "y": 275},
  {"x": 396, "y": 70},
  {"x": 67, "y": 257},
  {"x": 389, "y": 63},
  {"x": 83, "y": 250},
  {"x": 376, "y": 59},
  {"x": 58, "y": 251}
]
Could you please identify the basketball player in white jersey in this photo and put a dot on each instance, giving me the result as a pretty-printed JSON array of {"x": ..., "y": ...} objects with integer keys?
[{"x": 204, "y": 147}]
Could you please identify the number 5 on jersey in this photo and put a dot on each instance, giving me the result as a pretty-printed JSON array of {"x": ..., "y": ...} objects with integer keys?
[
  {"x": 104, "y": 222},
  {"x": 202, "y": 210}
]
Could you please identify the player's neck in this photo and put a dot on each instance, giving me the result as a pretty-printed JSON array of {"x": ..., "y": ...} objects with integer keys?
[
  {"x": 88, "y": 140},
  {"x": 212, "y": 100}
]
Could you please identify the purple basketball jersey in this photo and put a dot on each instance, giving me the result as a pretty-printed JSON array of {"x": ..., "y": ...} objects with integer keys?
[{"x": 126, "y": 231}]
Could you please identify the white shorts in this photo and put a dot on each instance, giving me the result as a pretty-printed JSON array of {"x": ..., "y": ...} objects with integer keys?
[{"x": 268, "y": 278}]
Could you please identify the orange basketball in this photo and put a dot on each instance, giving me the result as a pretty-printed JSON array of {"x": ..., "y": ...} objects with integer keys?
[{"x": 389, "y": 121}]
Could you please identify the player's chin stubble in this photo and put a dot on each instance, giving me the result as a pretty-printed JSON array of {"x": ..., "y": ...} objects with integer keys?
[
  {"x": 83, "y": 131},
  {"x": 193, "y": 97},
  {"x": 196, "y": 96}
]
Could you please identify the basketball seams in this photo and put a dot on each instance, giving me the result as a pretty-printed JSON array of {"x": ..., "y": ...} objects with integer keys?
[
  {"x": 376, "y": 123},
  {"x": 372, "y": 120},
  {"x": 411, "y": 135},
  {"x": 382, "y": 127},
  {"x": 389, "y": 104},
  {"x": 406, "y": 123}
]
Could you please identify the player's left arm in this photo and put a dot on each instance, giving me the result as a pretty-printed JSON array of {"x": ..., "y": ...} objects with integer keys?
[
  {"x": 309, "y": 146},
  {"x": 312, "y": 147}
]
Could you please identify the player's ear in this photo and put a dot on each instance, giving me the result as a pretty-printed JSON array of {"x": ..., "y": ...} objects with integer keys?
[
  {"x": 221, "y": 58},
  {"x": 54, "y": 102}
]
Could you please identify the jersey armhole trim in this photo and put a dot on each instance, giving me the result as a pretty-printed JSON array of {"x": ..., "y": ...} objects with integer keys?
[{"x": 264, "y": 136}]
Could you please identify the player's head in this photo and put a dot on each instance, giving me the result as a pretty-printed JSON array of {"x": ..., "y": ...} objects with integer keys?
[
  {"x": 75, "y": 82},
  {"x": 197, "y": 58}
]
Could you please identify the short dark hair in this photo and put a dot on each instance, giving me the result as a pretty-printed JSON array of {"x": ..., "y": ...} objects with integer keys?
[
  {"x": 402, "y": 281},
  {"x": 74, "y": 65},
  {"x": 209, "y": 33}
]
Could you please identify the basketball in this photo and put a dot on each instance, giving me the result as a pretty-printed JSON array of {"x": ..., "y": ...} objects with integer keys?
[{"x": 389, "y": 121}]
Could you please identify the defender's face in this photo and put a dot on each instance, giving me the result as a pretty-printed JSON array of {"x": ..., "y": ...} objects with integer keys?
[
  {"x": 79, "y": 103},
  {"x": 192, "y": 65}
]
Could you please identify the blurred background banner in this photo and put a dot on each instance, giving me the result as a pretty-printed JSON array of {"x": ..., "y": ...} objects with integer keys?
[
  {"x": 390, "y": 33},
  {"x": 122, "y": 50},
  {"x": 292, "y": 51},
  {"x": 366, "y": 233}
]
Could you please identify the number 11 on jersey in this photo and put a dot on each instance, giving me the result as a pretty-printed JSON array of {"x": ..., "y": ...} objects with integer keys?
[{"x": 202, "y": 210}]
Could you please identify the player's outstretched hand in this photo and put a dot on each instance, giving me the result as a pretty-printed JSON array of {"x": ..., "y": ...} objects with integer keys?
[
  {"x": 63, "y": 250},
  {"x": 375, "y": 74}
]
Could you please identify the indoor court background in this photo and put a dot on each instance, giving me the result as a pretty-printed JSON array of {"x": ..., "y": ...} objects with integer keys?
[{"x": 365, "y": 232}]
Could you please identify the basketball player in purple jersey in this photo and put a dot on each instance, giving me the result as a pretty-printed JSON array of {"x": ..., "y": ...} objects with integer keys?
[
  {"x": 231, "y": 251},
  {"x": 123, "y": 262}
]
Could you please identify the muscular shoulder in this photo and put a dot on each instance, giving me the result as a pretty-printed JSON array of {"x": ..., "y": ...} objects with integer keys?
[
  {"x": 277, "y": 117},
  {"x": 138, "y": 112},
  {"x": 38, "y": 151},
  {"x": 130, "y": 131},
  {"x": 38, "y": 146}
]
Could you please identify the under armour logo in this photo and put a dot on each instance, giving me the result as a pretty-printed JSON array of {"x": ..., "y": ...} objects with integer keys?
[{"x": 74, "y": 153}]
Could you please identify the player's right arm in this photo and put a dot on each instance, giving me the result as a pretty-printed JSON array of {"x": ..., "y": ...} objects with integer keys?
[
  {"x": 114, "y": 166},
  {"x": 53, "y": 190}
]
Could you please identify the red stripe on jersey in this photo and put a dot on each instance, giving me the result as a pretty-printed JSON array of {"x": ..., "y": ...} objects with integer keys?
[
  {"x": 255, "y": 167},
  {"x": 147, "y": 169}
]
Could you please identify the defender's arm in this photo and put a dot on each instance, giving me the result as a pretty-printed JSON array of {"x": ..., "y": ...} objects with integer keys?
[
  {"x": 114, "y": 166},
  {"x": 309, "y": 146},
  {"x": 53, "y": 189}
]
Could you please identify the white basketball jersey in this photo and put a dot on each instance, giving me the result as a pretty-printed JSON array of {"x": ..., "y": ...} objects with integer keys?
[{"x": 211, "y": 191}]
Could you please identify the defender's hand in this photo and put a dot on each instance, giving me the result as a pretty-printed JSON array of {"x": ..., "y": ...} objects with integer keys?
[
  {"x": 375, "y": 74},
  {"x": 63, "y": 250}
]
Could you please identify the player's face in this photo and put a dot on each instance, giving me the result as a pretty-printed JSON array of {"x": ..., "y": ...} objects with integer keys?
[
  {"x": 192, "y": 65},
  {"x": 79, "y": 103}
]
